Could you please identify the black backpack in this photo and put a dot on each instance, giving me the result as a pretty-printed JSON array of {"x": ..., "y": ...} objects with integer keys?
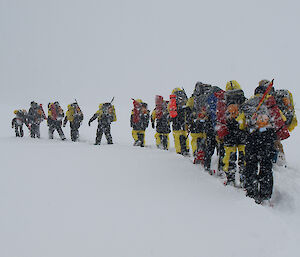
[{"x": 235, "y": 96}]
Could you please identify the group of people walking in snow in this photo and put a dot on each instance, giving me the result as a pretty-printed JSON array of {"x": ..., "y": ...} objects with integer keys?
[
  {"x": 246, "y": 133},
  {"x": 57, "y": 119}
]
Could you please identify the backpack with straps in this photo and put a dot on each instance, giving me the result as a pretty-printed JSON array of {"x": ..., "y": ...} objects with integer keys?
[{"x": 285, "y": 102}]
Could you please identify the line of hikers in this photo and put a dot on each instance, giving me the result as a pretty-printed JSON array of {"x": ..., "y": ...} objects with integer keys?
[
  {"x": 246, "y": 133},
  {"x": 57, "y": 119}
]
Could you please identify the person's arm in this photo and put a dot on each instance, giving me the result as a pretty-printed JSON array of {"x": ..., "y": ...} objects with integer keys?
[
  {"x": 13, "y": 122},
  {"x": 65, "y": 121},
  {"x": 30, "y": 116},
  {"x": 93, "y": 118},
  {"x": 131, "y": 120}
]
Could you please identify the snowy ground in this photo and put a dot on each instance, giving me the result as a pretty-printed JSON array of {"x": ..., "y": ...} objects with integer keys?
[
  {"x": 65, "y": 199},
  {"x": 62, "y": 199}
]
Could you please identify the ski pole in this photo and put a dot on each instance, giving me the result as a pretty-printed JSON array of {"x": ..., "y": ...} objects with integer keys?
[{"x": 265, "y": 94}]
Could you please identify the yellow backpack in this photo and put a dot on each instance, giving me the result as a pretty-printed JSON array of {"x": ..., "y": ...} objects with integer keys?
[
  {"x": 107, "y": 109},
  {"x": 284, "y": 99},
  {"x": 70, "y": 113}
]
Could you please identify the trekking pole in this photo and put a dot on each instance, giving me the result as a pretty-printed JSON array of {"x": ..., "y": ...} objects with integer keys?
[
  {"x": 265, "y": 94},
  {"x": 254, "y": 115}
]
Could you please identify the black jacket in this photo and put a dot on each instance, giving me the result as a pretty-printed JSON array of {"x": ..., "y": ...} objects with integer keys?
[
  {"x": 181, "y": 120},
  {"x": 236, "y": 136}
]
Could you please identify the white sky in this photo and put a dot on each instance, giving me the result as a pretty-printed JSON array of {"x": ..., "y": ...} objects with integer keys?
[{"x": 92, "y": 50}]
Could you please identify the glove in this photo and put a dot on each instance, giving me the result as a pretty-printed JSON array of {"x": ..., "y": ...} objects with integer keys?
[
  {"x": 64, "y": 125},
  {"x": 89, "y": 123}
]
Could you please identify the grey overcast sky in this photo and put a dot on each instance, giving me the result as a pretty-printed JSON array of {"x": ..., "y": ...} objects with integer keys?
[{"x": 93, "y": 49}]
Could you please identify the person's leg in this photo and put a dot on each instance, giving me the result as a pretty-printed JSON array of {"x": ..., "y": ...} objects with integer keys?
[
  {"x": 108, "y": 134},
  {"x": 99, "y": 134}
]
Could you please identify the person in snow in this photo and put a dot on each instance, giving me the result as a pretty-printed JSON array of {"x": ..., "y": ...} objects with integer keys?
[
  {"x": 201, "y": 126},
  {"x": 18, "y": 121},
  {"x": 179, "y": 119},
  {"x": 139, "y": 121},
  {"x": 197, "y": 105},
  {"x": 162, "y": 119},
  {"x": 55, "y": 118},
  {"x": 75, "y": 116},
  {"x": 216, "y": 110},
  {"x": 106, "y": 115},
  {"x": 264, "y": 124},
  {"x": 234, "y": 137},
  {"x": 284, "y": 99},
  {"x": 36, "y": 115}
]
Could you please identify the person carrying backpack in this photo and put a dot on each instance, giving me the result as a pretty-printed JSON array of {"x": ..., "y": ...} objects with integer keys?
[
  {"x": 201, "y": 125},
  {"x": 74, "y": 116},
  {"x": 36, "y": 115},
  {"x": 285, "y": 102},
  {"x": 55, "y": 118},
  {"x": 139, "y": 121},
  {"x": 217, "y": 109},
  {"x": 179, "y": 117},
  {"x": 197, "y": 106},
  {"x": 18, "y": 121},
  {"x": 260, "y": 116},
  {"x": 106, "y": 115},
  {"x": 161, "y": 116},
  {"x": 234, "y": 137}
]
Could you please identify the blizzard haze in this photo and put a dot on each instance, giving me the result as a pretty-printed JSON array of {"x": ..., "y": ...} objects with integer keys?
[
  {"x": 93, "y": 50},
  {"x": 65, "y": 199}
]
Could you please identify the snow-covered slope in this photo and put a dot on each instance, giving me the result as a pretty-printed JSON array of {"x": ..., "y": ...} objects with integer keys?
[{"x": 63, "y": 199}]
